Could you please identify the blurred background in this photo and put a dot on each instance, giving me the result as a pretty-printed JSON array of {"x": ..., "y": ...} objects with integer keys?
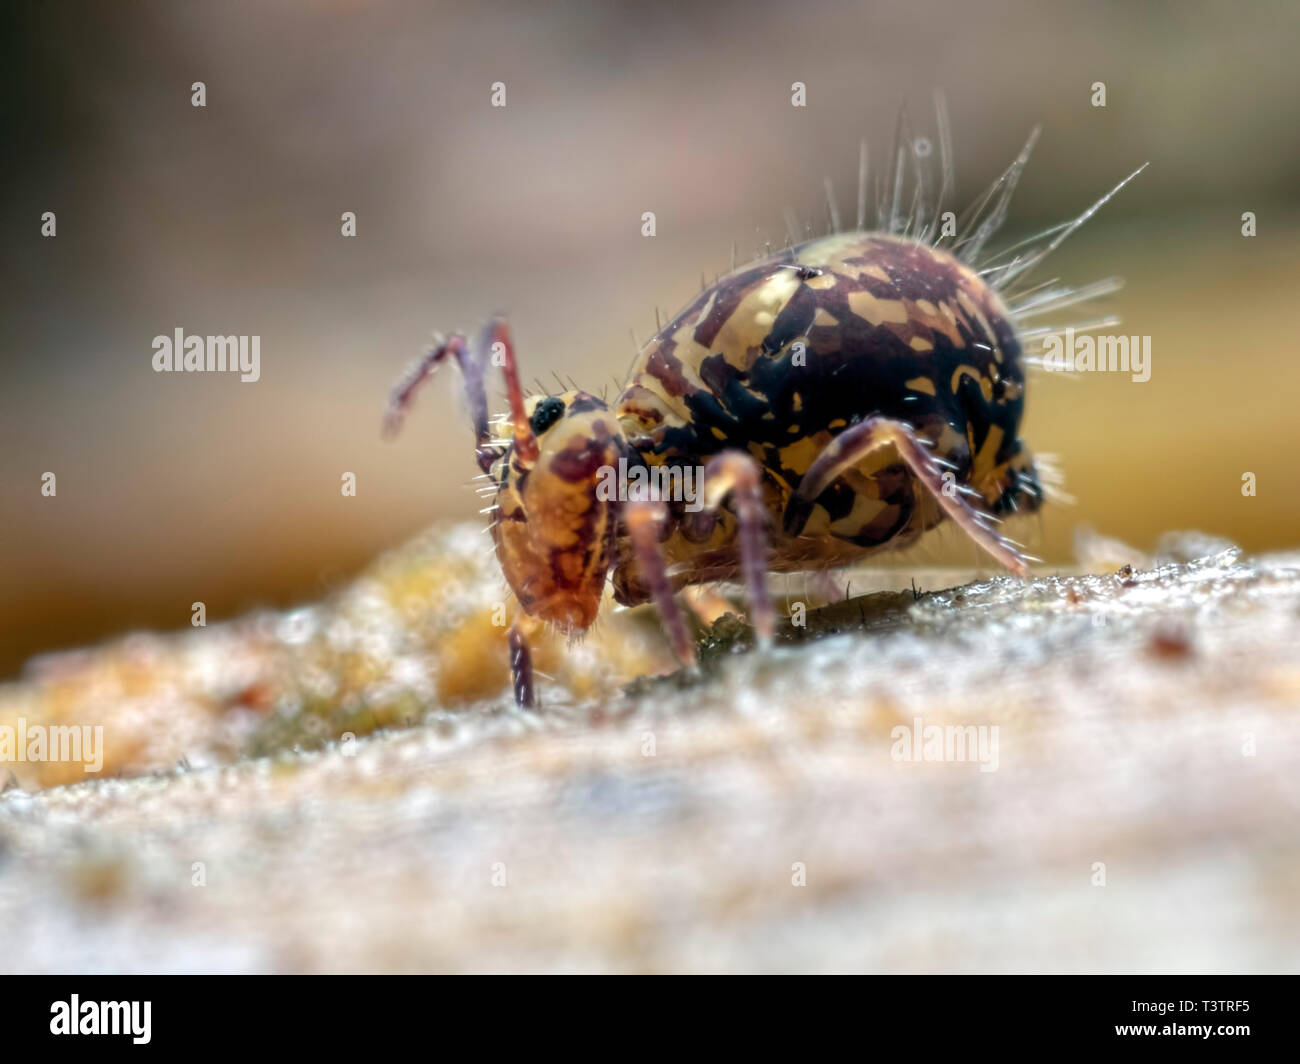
[{"x": 226, "y": 219}]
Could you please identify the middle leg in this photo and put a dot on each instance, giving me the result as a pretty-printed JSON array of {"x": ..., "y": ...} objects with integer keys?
[{"x": 736, "y": 474}]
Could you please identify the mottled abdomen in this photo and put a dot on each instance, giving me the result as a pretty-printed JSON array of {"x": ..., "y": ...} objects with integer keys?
[{"x": 780, "y": 357}]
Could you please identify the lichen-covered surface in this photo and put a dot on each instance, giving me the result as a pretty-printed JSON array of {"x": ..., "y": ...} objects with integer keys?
[{"x": 353, "y": 788}]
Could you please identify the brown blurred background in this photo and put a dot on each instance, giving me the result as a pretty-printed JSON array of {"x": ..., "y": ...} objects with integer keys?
[{"x": 184, "y": 487}]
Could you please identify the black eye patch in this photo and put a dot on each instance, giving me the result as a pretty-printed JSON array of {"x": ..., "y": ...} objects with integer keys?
[{"x": 546, "y": 414}]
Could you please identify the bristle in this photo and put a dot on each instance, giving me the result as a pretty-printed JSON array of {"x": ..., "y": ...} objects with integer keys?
[
  {"x": 1022, "y": 294},
  {"x": 1036, "y": 257},
  {"x": 915, "y": 212},
  {"x": 945, "y": 162},
  {"x": 1054, "y": 299},
  {"x": 896, "y": 178},
  {"x": 791, "y": 226},
  {"x": 832, "y": 208},
  {"x": 968, "y": 249},
  {"x": 1078, "y": 327},
  {"x": 1051, "y": 477},
  {"x": 1041, "y": 365},
  {"x": 993, "y": 263},
  {"x": 862, "y": 185},
  {"x": 919, "y": 212}
]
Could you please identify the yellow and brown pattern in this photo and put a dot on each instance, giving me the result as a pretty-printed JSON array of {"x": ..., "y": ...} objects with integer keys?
[{"x": 780, "y": 357}]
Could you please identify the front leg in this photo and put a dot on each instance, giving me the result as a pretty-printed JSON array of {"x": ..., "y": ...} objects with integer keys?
[
  {"x": 521, "y": 667},
  {"x": 645, "y": 522},
  {"x": 854, "y": 444}
]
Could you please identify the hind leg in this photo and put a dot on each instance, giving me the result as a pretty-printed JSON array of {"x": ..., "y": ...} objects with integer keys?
[{"x": 854, "y": 444}]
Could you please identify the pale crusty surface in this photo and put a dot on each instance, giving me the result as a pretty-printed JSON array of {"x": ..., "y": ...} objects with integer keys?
[{"x": 1148, "y": 721}]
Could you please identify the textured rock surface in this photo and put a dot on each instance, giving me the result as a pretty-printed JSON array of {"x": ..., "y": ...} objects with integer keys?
[{"x": 1146, "y": 720}]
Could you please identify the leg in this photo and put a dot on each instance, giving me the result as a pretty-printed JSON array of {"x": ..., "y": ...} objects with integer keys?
[
  {"x": 455, "y": 346},
  {"x": 493, "y": 340},
  {"x": 854, "y": 444},
  {"x": 521, "y": 667},
  {"x": 736, "y": 474},
  {"x": 644, "y": 520}
]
